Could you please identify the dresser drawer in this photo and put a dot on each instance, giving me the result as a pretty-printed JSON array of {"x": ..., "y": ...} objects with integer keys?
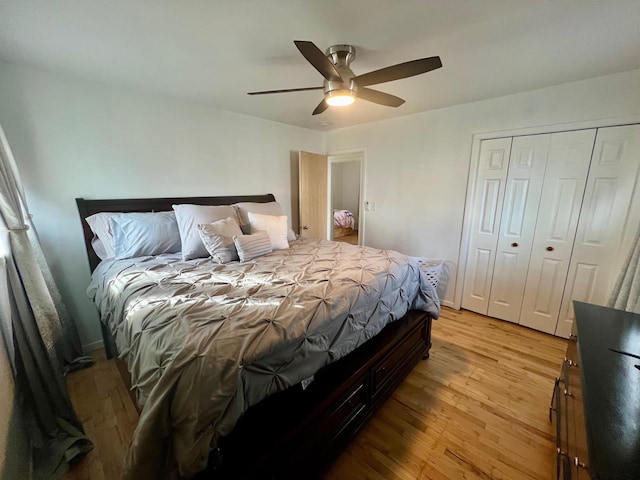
[
  {"x": 578, "y": 450},
  {"x": 383, "y": 372},
  {"x": 571, "y": 440},
  {"x": 560, "y": 408}
]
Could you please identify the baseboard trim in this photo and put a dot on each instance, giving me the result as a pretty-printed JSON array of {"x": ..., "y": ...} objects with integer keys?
[
  {"x": 90, "y": 347},
  {"x": 449, "y": 303}
]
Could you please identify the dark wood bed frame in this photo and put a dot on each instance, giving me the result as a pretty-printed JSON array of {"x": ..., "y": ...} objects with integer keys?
[{"x": 295, "y": 433}]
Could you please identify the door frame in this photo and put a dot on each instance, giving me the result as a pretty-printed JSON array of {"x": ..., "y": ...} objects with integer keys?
[
  {"x": 476, "y": 140},
  {"x": 341, "y": 156}
]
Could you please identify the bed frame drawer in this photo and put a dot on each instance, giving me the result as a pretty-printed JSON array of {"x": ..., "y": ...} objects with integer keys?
[
  {"x": 388, "y": 369},
  {"x": 346, "y": 409},
  {"x": 342, "y": 415}
]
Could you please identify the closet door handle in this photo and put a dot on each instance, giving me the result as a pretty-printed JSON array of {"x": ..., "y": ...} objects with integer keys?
[
  {"x": 514, "y": 244},
  {"x": 549, "y": 249}
]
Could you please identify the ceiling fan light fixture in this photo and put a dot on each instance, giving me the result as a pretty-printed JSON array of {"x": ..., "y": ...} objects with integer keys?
[
  {"x": 339, "y": 98},
  {"x": 341, "y": 86}
]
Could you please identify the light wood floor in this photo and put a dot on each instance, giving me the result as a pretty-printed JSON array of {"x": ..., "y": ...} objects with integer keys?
[
  {"x": 351, "y": 238},
  {"x": 477, "y": 409}
]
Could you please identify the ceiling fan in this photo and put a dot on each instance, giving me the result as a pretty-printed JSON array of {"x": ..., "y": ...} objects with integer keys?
[{"x": 341, "y": 86}]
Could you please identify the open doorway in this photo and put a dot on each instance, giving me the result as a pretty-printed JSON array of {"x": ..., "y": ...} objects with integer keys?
[{"x": 345, "y": 195}]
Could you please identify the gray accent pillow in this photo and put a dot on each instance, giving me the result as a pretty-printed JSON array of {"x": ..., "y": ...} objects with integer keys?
[
  {"x": 218, "y": 239},
  {"x": 140, "y": 234},
  {"x": 252, "y": 246},
  {"x": 189, "y": 217}
]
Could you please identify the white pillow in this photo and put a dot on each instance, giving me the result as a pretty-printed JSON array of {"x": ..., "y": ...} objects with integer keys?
[
  {"x": 268, "y": 208},
  {"x": 189, "y": 217},
  {"x": 275, "y": 226},
  {"x": 252, "y": 246},
  {"x": 139, "y": 234},
  {"x": 102, "y": 242},
  {"x": 218, "y": 239}
]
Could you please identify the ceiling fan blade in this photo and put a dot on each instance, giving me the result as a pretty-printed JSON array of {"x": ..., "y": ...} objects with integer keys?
[
  {"x": 318, "y": 59},
  {"x": 396, "y": 72},
  {"x": 379, "y": 97},
  {"x": 265, "y": 92},
  {"x": 322, "y": 106}
]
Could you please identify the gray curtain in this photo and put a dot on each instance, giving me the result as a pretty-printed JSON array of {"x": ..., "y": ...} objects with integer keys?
[
  {"x": 626, "y": 291},
  {"x": 39, "y": 336}
]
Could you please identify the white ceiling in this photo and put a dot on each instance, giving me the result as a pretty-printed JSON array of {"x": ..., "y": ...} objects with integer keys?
[{"x": 215, "y": 51}]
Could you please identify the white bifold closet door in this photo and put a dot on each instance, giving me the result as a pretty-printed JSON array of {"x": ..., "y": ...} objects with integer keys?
[
  {"x": 517, "y": 226},
  {"x": 606, "y": 220},
  {"x": 488, "y": 197},
  {"x": 555, "y": 230},
  {"x": 549, "y": 216}
]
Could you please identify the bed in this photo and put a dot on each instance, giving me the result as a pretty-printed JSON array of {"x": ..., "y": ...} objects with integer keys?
[
  {"x": 344, "y": 223},
  {"x": 267, "y": 377}
]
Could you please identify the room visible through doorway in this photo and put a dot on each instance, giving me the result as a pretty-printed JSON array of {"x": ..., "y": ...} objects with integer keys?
[{"x": 345, "y": 174}]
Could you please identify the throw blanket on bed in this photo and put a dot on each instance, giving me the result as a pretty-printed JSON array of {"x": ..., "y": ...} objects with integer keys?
[
  {"x": 344, "y": 219},
  {"x": 204, "y": 341}
]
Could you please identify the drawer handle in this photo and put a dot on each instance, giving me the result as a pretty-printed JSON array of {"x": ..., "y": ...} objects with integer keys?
[
  {"x": 571, "y": 363},
  {"x": 553, "y": 396},
  {"x": 350, "y": 403},
  {"x": 549, "y": 249},
  {"x": 383, "y": 370},
  {"x": 580, "y": 464},
  {"x": 568, "y": 393},
  {"x": 514, "y": 244}
]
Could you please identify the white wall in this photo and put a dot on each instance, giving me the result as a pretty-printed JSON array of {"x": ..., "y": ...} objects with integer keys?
[
  {"x": 345, "y": 187},
  {"x": 74, "y": 138},
  {"x": 336, "y": 185},
  {"x": 417, "y": 165}
]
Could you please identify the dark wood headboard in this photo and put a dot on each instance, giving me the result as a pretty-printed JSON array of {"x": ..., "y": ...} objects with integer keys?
[{"x": 87, "y": 208}]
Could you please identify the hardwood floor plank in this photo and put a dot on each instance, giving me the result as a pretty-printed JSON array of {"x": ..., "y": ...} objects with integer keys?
[
  {"x": 477, "y": 409},
  {"x": 485, "y": 390},
  {"x": 108, "y": 416}
]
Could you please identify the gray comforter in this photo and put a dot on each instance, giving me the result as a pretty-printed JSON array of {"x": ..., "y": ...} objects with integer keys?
[{"x": 204, "y": 342}]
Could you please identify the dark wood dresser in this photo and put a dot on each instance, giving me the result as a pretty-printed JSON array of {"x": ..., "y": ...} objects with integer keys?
[{"x": 596, "y": 399}]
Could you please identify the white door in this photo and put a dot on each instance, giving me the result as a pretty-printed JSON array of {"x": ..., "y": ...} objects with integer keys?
[
  {"x": 555, "y": 230},
  {"x": 517, "y": 226},
  {"x": 487, "y": 203},
  {"x": 603, "y": 220}
]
